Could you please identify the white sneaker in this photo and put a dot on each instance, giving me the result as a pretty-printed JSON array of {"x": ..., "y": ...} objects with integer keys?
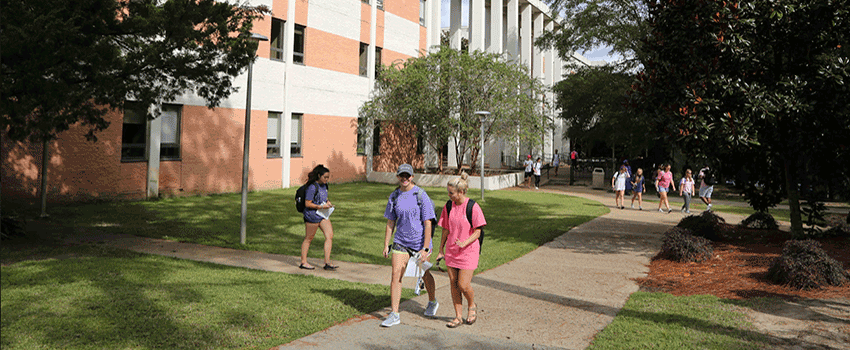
[
  {"x": 536, "y": 188},
  {"x": 431, "y": 309},
  {"x": 633, "y": 206},
  {"x": 392, "y": 319},
  {"x": 709, "y": 207},
  {"x": 660, "y": 210}
]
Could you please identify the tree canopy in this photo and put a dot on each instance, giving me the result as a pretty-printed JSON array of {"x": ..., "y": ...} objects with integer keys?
[
  {"x": 759, "y": 84},
  {"x": 70, "y": 61},
  {"x": 438, "y": 94}
]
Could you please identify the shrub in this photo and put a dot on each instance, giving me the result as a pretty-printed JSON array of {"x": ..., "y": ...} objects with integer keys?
[
  {"x": 12, "y": 226},
  {"x": 707, "y": 225},
  {"x": 760, "y": 220},
  {"x": 838, "y": 226},
  {"x": 680, "y": 245},
  {"x": 805, "y": 265}
]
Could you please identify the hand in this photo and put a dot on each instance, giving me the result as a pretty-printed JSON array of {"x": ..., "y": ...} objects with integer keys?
[
  {"x": 328, "y": 203},
  {"x": 424, "y": 255},
  {"x": 460, "y": 244},
  {"x": 440, "y": 255},
  {"x": 386, "y": 251}
]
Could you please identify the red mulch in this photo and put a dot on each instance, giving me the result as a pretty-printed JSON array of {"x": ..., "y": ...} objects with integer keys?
[{"x": 739, "y": 269}]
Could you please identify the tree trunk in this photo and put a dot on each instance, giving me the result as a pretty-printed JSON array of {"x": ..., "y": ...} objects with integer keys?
[
  {"x": 793, "y": 200},
  {"x": 44, "y": 161}
]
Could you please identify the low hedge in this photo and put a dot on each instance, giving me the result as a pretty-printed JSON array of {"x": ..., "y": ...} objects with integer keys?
[
  {"x": 706, "y": 224},
  {"x": 805, "y": 265},
  {"x": 681, "y": 245},
  {"x": 760, "y": 220}
]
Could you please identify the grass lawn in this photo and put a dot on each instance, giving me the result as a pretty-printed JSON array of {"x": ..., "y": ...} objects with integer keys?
[
  {"x": 90, "y": 297},
  {"x": 663, "y": 321},
  {"x": 517, "y": 222}
]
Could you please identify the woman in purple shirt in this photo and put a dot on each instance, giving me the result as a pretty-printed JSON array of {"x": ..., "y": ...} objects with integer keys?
[
  {"x": 410, "y": 213},
  {"x": 317, "y": 198}
]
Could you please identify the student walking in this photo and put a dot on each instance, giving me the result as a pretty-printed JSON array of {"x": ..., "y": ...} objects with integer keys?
[
  {"x": 618, "y": 183},
  {"x": 410, "y": 213},
  {"x": 686, "y": 190},
  {"x": 665, "y": 180},
  {"x": 538, "y": 165},
  {"x": 529, "y": 170},
  {"x": 639, "y": 187},
  {"x": 706, "y": 186},
  {"x": 316, "y": 199},
  {"x": 461, "y": 247}
]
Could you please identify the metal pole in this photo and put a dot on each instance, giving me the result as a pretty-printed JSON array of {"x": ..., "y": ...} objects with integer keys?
[
  {"x": 44, "y": 163},
  {"x": 245, "y": 150}
]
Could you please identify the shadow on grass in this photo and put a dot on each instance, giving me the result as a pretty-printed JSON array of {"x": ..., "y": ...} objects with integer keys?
[{"x": 362, "y": 301}]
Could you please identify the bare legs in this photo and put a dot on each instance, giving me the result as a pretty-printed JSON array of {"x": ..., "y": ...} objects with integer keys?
[
  {"x": 399, "y": 265},
  {"x": 664, "y": 201},
  {"x": 619, "y": 199},
  {"x": 311, "y": 229},
  {"x": 461, "y": 284},
  {"x": 639, "y": 197}
]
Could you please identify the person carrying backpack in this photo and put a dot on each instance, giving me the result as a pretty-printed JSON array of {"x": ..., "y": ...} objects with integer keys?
[
  {"x": 316, "y": 198},
  {"x": 461, "y": 247},
  {"x": 410, "y": 212},
  {"x": 706, "y": 186}
]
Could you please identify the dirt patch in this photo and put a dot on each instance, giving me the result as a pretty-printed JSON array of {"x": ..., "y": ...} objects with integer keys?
[{"x": 794, "y": 319}]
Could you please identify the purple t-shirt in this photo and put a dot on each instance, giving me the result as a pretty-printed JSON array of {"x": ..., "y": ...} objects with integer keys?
[
  {"x": 320, "y": 198},
  {"x": 408, "y": 216}
]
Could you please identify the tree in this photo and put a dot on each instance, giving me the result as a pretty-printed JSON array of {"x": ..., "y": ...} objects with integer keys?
[
  {"x": 761, "y": 84},
  {"x": 70, "y": 61},
  {"x": 593, "y": 105},
  {"x": 437, "y": 94},
  {"x": 618, "y": 24}
]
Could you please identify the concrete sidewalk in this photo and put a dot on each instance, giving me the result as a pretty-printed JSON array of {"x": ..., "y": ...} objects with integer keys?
[{"x": 555, "y": 297}]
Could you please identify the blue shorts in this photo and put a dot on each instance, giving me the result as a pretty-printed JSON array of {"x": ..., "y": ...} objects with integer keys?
[{"x": 663, "y": 189}]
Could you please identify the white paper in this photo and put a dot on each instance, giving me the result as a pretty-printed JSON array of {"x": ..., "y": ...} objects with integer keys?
[
  {"x": 325, "y": 213},
  {"x": 416, "y": 268}
]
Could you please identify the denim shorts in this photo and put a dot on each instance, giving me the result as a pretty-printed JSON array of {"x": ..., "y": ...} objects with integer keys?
[{"x": 663, "y": 190}]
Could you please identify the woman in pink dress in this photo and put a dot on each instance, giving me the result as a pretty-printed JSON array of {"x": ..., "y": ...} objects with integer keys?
[
  {"x": 461, "y": 247},
  {"x": 664, "y": 181}
]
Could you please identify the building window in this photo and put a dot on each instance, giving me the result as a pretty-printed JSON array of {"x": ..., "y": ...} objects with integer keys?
[
  {"x": 298, "y": 49},
  {"x": 361, "y": 141},
  {"x": 380, "y": 3},
  {"x": 376, "y": 140},
  {"x": 277, "y": 39},
  {"x": 170, "y": 142},
  {"x": 364, "y": 59},
  {"x": 422, "y": 12},
  {"x": 273, "y": 138},
  {"x": 420, "y": 143},
  {"x": 134, "y": 132},
  {"x": 295, "y": 146}
]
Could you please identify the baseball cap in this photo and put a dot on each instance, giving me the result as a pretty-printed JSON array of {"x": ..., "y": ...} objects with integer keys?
[
  {"x": 404, "y": 168},
  {"x": 529, "y": 156}
]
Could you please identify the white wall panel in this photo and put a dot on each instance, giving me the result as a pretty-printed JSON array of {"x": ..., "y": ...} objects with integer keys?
[
  {"x": 267, "y": 89},
  {"x": 401, "y": 35},
  {"x": 325, "y": 92},
  {"x": 336, "y": 17}
]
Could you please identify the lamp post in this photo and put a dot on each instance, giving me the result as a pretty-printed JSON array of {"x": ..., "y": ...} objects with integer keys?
[
  {"x": 243, "y": 227},
  {"x": 482, "y": 115}
]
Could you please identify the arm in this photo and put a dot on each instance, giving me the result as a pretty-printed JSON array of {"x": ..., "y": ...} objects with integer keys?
[
  {"x": 443, "y": 240},
  {"x": 309, "y": 204},
  {"x": 388, "y": 236},
  {"x": 472, "y": 238},
  {"x": 427, "y": 232}
]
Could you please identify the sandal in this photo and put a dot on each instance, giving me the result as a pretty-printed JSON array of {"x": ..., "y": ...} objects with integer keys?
[
  {"x": 305, "y": 267},
  {"x": 471, "y": 315},
  {"x": 454, "y": 323}
]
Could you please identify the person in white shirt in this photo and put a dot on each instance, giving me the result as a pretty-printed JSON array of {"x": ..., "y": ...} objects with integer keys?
[
  {"x": 618, "y": 183},
  {"x": 537, "y": 166},
  {"x": 686, "y": 189},
  {"x": 528, "y": 171}
]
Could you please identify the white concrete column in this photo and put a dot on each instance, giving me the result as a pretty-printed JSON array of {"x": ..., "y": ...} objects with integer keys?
[
  {"x": 286, "y": 118},
  {"x": 549, "y": 66},
  {"x": 512, "y": 30},
  {"x": 525, "y": 37},
  {"x": 496, "y": 26},
  {"x": 154, "y": 142},
  {"x": 477, "y": 20},
  {"x": 454, "y": 22},
  {"x": 537, "y": 61},
  {"x": 434, "y": 22}
]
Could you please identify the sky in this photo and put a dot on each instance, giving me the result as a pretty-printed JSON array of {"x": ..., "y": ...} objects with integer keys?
[{"x": 599, "y": 54}]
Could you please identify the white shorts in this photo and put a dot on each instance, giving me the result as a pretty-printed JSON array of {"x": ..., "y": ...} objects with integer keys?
[{"x": 705, "y": 192}]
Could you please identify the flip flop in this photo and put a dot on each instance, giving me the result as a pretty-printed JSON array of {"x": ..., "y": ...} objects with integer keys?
[
  {"x": 472, "y": 316},
  {"x": 330, "y": 267},
  {"x": 306, "y": 267},
  {"x": 454, "y": 323}
]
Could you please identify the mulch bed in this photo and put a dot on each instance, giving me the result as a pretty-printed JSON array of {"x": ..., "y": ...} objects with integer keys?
[{"x": 739, "y": 267}]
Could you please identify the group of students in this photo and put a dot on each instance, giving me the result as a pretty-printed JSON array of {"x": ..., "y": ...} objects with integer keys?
[
  {"x": 410, "y": 226},
  {"x": 623, "y": 181}
]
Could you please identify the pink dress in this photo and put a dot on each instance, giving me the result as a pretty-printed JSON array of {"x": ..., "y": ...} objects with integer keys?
[{"x": 459, "y": 229}]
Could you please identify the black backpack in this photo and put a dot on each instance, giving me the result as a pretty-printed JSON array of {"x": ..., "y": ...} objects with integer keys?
[
  {"x": 394, "y": 198},
  {"x": 469, "y": 206},
  {"x": 709, "y": 178},
  {"x": 300, "y": 201}
]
